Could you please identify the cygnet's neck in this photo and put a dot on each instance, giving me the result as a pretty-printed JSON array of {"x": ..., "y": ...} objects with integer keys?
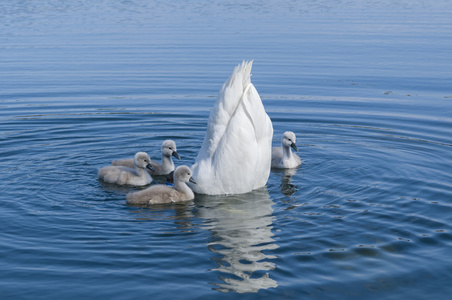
[
  {"x": 182, "y": 187},
  {"x": 167, "y": 162},
  {"x": 140, "y": 171},
  {"x": 287, "y": 153}
]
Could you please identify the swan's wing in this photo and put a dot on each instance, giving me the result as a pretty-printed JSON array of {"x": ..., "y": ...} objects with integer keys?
[
  {"x": 277, "y": 154},
  {"x": 109, "y": 174},
  {"x": 236, "y": 153},
  {"x": 152, "y": 195},
  {"x": 128, "y": 162}
]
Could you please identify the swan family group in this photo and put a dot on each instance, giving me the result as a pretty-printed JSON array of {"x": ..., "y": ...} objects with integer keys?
[{"x": 236, "y": 155}]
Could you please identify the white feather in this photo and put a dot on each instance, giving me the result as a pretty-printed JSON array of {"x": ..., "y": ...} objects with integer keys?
[{"x": 235, "y": 156}]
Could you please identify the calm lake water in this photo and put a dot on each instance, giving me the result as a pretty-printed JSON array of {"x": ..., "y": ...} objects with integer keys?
[{"x": 365, "y": 85}]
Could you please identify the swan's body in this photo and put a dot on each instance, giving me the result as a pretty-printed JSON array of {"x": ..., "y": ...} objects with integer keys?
[
  {"x": 168, "y": 150},
  {"x": 158, "y": 194},
  {"x": 124, "y": 175},
  {"x": 235, "y": 156},
  {"x": 283, "y": 157}
]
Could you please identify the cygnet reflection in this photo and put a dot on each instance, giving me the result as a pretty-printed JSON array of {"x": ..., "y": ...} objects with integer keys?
[
  {"x": 287, "y": 188},
  {"x": 241, "y": 227}
]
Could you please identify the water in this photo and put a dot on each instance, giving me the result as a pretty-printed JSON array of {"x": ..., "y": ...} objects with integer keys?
[{"x": 365, "y": 85}]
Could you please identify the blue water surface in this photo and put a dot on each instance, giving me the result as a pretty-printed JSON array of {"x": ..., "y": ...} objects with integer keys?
[{"x": 365, "y": 85}]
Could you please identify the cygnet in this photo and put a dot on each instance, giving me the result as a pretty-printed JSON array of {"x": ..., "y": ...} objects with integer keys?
[
  {"x": 124, "y": 175},
  {"x": 160, "y": 193},
  {"x": 168, "y": 150},
  {"x": 282, "y": 157}
]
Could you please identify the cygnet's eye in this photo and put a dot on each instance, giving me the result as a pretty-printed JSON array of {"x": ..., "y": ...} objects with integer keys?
[{"x": 170, "y": 148}]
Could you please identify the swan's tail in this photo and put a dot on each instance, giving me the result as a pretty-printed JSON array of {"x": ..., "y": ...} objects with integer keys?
[
  {"x": 236, "y": 153},
  {"x": 227, "y": 102}
]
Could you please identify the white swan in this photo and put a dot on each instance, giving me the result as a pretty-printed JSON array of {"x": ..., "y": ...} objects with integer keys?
[
  {"x": 168, "y": 150},
  {"x": 235, "y": 156},
  {"x": 283, "y": 157},
  {"x": 160, "y": 193},
  {"x": 124, "y": 175}
]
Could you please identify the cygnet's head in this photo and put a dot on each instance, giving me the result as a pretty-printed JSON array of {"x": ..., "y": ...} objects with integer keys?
[
  {"x": 289, "y": 140},
  {"x": 183, "y": 173},
  {"x": 169, "y": 149},
  {"x": 142, "y": 160}
]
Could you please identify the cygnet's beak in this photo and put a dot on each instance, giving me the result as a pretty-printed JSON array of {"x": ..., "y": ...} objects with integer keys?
[
  {"x": 294, "y": 146},
  {"x": 176, "y": 155},
  {"x": 192, "y": 180},
  {"x": 170, "y": 178},
  {"x": 150, "y": 167}
]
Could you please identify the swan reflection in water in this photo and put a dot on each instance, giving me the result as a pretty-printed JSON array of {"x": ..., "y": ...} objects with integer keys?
[{"x": 241, "y": 227}]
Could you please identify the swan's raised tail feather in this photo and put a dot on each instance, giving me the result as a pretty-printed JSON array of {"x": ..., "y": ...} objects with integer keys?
[{"x": 236, "y": 153}]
